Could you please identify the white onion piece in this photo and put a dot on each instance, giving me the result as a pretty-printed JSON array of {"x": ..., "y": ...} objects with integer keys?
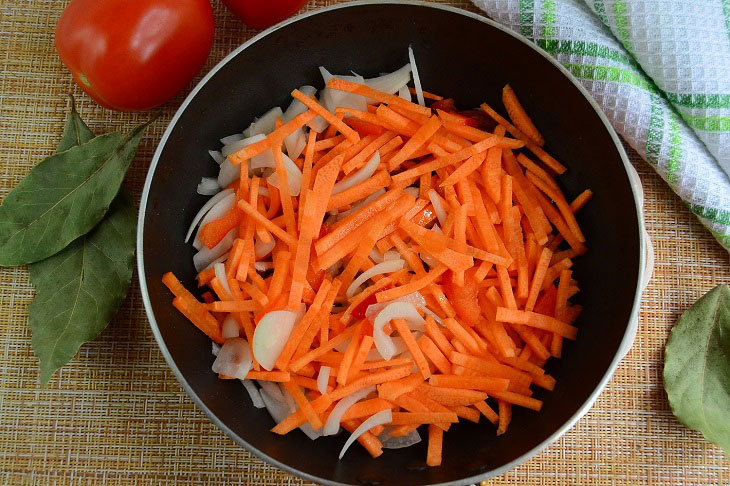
[
  {"x": 240, "y": 144},
  {"x": 372, "y": 197},
  {"x": 332, "y": 99},
  {"x": 394, "y": 310},
  {"x": 340, "y": 348},
  {"x": 278, "y": 409},
  {"x": 221, "y": 207},
  {"x": 228, "y": 173},
  {"x": 413, "y": 191},
  {"x": 208, "y": 186},
  {"x": 267, "y": 122},
  {"x": 310, "y": 432},
  {"x": 319, "y": 124},
  {"x": 254, "y": 393},
  {"x": 206, "y": 255},
  {"x": 206, "y": 207},
  {"x": 438, "y": 207},
  {"x": 360, "y": 176},
  {"x": 414, "y": 298},
  {"x": 380, "y": 418},
  {"x": 229, "y": 328},
  {"x": 232, "y": 138},
  {"x": 295, "y": 143},
  {"x": 401, "y": 442},
  {"x": 323, "y": 379},
  {"x": 288, "y": 399},
  {"x": 375, "y": 256},
  {"x": 384, "y": 267},
  {"x": 262, "y": 249},
  {"x": 220, "y": 259},
  {"x": 272, "y": 389},
  {"x": 264, "y": 159},
  {"x": 391, "y": 255},
  {"x": 293, "y": 176},
  {"x": 271, "y": 335},
  {"x": 220, "y": 273},
  {"x": 215, "y": 348},
  {"x": 306, "y": 428},
  {"x": 234, "y": 359},
  {"x": 405, "y": 93},
  {"x": 400, "y": 348},
  {"x": 391, "y": 82},
  {"x": 249, "y": 129},
  {"x": 217, "y": 156},
  {"x": 332, "y": 424},
  {"x": 416, "y": 78},
  {"x": 263, "y": 266},
  {"x": 296, "y": 107}
]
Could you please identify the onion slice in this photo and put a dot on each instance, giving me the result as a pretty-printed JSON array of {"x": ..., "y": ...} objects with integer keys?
[
  {"x": 438, "y": 207},
  {"x": 415, "y": 298},
  {"x": 217, "y": 156},
  {"x": 254, "y": 393},
  {"x": 295, "y": 143},
  {"x": 293, "y": 176},
  {"x": 215, "y": 348},
  {"x": 384, "y": 267},
  {"x": 323, "y": 379},
  {"x": 271, "y": 335},
  {"x": 375, "y": 256},
  {"x": 263, "y": 266},
  {"x": 206, "y": 207},
  {"x": 272, "y": 389},
  {"x": 220, "y": 273},
  {"x": 267, "y": 122},
  {"x": 234, "y": 359},
  {"x": 296, "y": 107},
  {"x": 360, "y": 176},
  {"x": 401, "y": 442},
  {"x": 234, "y": 147},
  {"x": 416, "y": 78},
  {"x": 332, "y": 425},
  {"x": 262, "y": 249},
  {"x": 405, "y": 93},
  {"x": 372, "y": 197},
  {"x": 380, "y": 418},
  {"x": 232, "y": 138},
  {"x": 230, "y": 328},
  {"x": 206, "y": 255},
  {"x": 220, "y": 209},
  {"x": 208, "y": 186},
  {"x": 392, "y": 82},
  {"x": 394, "y": 310}
]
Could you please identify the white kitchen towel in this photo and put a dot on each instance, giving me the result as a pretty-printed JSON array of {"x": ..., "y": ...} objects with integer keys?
[{"x": 660, "y": 70}]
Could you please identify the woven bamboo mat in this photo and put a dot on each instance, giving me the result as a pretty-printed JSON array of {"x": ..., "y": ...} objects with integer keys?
[{"x": 116, "y": 415}]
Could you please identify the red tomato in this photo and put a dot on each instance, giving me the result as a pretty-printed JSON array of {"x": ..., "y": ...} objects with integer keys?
[
  {"x": 134, "y": 54},
  {"x": 259, "y": 14}
]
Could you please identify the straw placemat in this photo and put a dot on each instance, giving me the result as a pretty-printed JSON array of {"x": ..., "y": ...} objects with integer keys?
[{"x": 116, "y": 415}]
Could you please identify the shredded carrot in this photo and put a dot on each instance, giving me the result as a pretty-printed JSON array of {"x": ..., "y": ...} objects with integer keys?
[{"x": 496, "y": 283}]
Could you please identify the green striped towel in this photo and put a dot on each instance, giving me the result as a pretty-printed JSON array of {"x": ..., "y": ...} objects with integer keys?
[{"x": 660, "y": 70}]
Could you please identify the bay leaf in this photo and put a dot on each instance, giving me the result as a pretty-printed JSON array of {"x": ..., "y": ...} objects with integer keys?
[
  {"x": 76, "y": 131},
  {"x": 79, "y": 289},
  {"x": 63, "y": 197},
  {"x": 697, "y": 367}
]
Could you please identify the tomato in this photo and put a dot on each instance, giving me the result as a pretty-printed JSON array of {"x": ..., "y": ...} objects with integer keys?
[
  {"x": 259, "y": 14},
  {"x": 134, "y": 54}
]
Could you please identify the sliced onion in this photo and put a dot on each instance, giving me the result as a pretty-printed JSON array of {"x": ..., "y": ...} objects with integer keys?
[
  {"x": 267, "y": 122},
  {"x": 384, "y": 267},
  {"x": 306, "y": 428},
  {"x": 220, "y": 259},
  {"x": 249, "y": 129},
  {"x": 295, "y": 143},
  {"x": 232, "y": 138},
  {"x": 221, "y": 207},
  {"x": 217, "y": 156},
  {"x": 415, "y": 298},
  {"x": 360, "y": 176},
  {"x": 208, "y": 186},
  {"x": 375, "y": 256},
  {"x": 296, "y": 107},
  {"x": 400, "y": 348},
  {"x": 332, "y": 424},
  {"x": 413, "y": 191},
  {"x": 220, "y": 273},
  {"x": 272, "y": 389},
  {"x": 238, "y": 145},
  {"x": 263, "y": 266},
  {"x": 262, "y": 249},
  {"x": 278, "y": 409},
  {"x": 391, "y": 255},
  {"x": 405, "y": 93},
  {"x": 215, "y": 348},
  {"x": 206, "y": 255},
  {"x": 229, "y": 328},
  {"x": 438, "y": 207},
  {"x": 394, "y": 310},
  {"x": 391, "y": 82},
  {"x": 416, "y": 78},
  {"x": 228, "y": 173},
  {"x": 332, "y": 99},
  {"x": 206, "y": 207},
  {"x": 234, "y": 359},
  {"x": 293, "y": 176},
  {"x": 380, "y": 418},
  {"x": 372, "y": 197},
  {"x": 254, "y": 393},
  {"x": 401, "y": 442},
  {"x": 323, "y": 379},
  {"x": 271, "y": 335}
]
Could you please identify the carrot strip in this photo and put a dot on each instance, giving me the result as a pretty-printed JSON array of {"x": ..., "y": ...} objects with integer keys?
[
  {"x": 266, "y": 223},
  {"x": 394, "y": 389},
  {"x": 362, "y": 156},
  {"x": 562, "y": 204},
  {"x": 402, "y": 328},
  {"x": 519, "y": 116},
  {"x": 333, "y": 120},
  {"x": 505, "y": 416},
  {"x": 538, "y": 321},
  {"x": 420, "y": 418},
  {"x": 482, "y": 383},
  {"x": 277, "y": 135},
  {"x": 419, "y": 139},
  {"x": 517, "y": 399},
  {"x": 413, "y": 286},
  {"x": 434, "y": 355},
  {"x": 367, "y": 439},
  {"x": 538, "y": 278},
  {"x": 231, "y": 306},
  {"x": 359, "y": 191},
  {"x": 277, "y": 376},
  {"x": 299, "y": 418},
  {"x": 434, "y": 332},
  {"x": 452, "y": 397},
  {"x": 346, "y": 363},
  {"x": 370, "y": 380},
  {"x": 359, "y": 360},
  {"x": 435, "y": 446},
  {"x": 561, "y": 301},
  {"x": 371, "y": 365},
  {"x": 355, "y": 88},
  {"x": 313, "y": 354},
  {"x": 579, "y": 202},
  {"x": 367, "y": 408},
  {"x": 202, "y": 320}
]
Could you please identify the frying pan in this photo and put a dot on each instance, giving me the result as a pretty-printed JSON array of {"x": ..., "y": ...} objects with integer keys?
[{"x": 460, "y": 55}]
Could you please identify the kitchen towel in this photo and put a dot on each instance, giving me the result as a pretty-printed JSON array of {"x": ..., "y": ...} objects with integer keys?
[{"x": 660, "y": 70}]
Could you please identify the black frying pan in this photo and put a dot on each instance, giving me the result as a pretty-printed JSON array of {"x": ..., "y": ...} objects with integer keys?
[{"x": 460, "y": 55}]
